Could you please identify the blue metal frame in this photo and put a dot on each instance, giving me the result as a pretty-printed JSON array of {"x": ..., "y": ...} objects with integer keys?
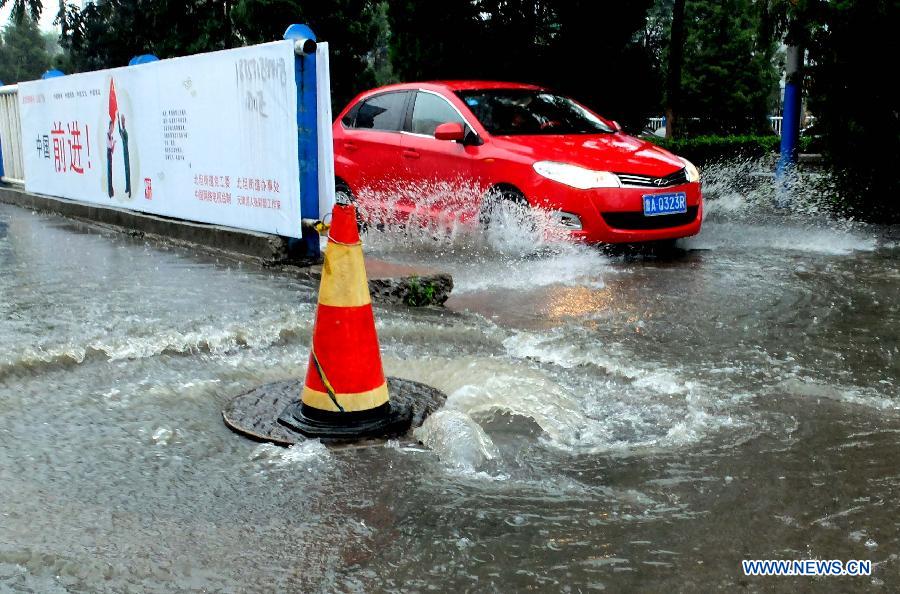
[{"x": 307, "y": 137}]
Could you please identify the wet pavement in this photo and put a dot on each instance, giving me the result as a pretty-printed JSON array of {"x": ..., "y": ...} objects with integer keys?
[{"x": 615, "y": 421}]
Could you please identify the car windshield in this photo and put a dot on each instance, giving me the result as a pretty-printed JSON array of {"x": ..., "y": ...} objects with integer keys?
[{"x": 509, "y": 112}]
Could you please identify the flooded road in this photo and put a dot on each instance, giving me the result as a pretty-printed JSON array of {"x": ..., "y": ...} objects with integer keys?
[{"x": 615, "y": 421}]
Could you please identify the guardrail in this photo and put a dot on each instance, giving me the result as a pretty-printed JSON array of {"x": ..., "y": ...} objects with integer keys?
[
  {"x": 775, "y": 122},
  {"x": 12, "y": 169}
]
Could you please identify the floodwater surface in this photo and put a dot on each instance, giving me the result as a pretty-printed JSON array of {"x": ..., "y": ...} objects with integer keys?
[{"x": 616, "y": 421}]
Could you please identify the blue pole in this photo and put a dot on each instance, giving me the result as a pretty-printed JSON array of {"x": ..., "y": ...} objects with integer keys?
[
  {"x": 307, "y": 133},
  {"x": 790, "y": 122}
]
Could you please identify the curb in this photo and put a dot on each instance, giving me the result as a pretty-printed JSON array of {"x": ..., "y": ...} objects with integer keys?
[{"x": 399, "y": 286}]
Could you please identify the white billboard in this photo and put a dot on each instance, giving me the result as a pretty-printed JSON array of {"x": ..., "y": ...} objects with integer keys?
[{"x": 209, "y": 138}]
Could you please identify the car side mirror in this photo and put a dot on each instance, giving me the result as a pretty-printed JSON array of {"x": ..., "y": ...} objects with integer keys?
[
  {"x": 616, "y": 126},
  {"x": 450, "y": 131}
]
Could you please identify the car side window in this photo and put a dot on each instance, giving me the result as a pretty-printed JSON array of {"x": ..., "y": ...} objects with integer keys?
[
  {"x": 381, "y": 112},
  {"x": 430, "y": 111},
  {"x": 349, "y": 119}
]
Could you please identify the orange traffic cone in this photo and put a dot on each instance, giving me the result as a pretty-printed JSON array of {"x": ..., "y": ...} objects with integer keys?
[{"x": 345, "y": 394}]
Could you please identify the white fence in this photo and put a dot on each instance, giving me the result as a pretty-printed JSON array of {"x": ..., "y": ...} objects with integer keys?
[
  {"x": 11, "y": 135},
  {"x": 774, "y": 121}
]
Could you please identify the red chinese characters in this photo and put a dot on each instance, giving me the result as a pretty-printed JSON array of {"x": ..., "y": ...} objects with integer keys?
[
  {"x": 263, "y": 186},
  {"x": 203, "y": 181},
  {"x": 259, "y": 202},
  {"x": 258, "y": 185},
  {"x": 59, "y": 147},
  {"x": 209, "y": 188},
  {"x": 71, "y": 147},
  {"x": 212, "y": 181},
  {"x": 75, "y": 146}
]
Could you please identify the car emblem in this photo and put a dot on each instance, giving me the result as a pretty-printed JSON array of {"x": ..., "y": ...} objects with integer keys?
[{"x": 659, "y": 181}]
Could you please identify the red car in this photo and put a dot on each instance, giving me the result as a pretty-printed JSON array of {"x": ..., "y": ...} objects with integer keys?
[{"x": 512, "y": 143}]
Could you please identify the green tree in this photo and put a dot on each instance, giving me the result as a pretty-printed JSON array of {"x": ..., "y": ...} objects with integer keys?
[
  {"x": 349, "y": 26},
  {"x": 379, "y": 59},
  {"x": 599, "y": 58},
  {"x": 673, "y": 75},
  {"x": 23, "y": 54},
  {"x": 24, "y": 8},
  {"x": 852, "y": 44},
  {"x": 432, "y": 40},
  {"x": 729, "y": 71},
  {"x": 849, "y": 45},
  {"x": 108, "y": 33},
  {"x": 588, "y": 49}
]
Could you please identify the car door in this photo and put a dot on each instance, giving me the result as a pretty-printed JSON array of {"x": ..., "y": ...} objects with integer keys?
[
  {"x": 369, "y": 147},
  {"x": 440, "y": 171}
]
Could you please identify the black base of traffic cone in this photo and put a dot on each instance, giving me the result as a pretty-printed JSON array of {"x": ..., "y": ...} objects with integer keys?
[
  {"x": 389, "y": 419},
  {"x": 255, "y": 414}
]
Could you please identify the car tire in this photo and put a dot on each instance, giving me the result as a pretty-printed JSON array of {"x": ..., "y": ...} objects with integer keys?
[{"x": 497, "y": 198}]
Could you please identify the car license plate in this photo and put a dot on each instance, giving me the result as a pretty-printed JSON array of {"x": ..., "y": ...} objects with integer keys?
[{"x": 663, "y": 204}]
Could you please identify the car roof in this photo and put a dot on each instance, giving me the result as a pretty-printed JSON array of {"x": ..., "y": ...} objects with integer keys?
[{"x": 458, "y": 85}]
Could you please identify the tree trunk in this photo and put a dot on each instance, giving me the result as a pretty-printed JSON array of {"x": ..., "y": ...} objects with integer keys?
[
  {"x": 229, "y": 30},
  {"x": 676, "y": 56}
]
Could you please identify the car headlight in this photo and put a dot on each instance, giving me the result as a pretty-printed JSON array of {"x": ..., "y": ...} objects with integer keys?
[
  {"x": 575, "y": 176},
  {"x": 693, "y": 174}
]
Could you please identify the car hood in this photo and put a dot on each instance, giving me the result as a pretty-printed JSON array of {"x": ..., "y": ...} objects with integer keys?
[{"x": 619, "y": 153}]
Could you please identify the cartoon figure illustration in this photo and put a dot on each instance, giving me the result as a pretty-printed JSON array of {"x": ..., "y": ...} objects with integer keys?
[
  {"x": 123, "y": 132},
  {"x": 110, "y": 137},
  {"x": 110, "y": 147}
]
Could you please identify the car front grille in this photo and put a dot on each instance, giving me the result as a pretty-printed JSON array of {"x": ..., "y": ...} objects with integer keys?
[
  {"x": 633, "y": 221},
  {"x": 648, "y": 181}
]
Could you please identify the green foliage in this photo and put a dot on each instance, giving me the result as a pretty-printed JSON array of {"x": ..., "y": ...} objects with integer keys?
[
  {"x": 22, "y": 9},
  {"x": 349, "y": 27},
  {"x": 729, "y": 74},
  {"x": 419, "y": 293},
  {"x": 852, "y": 44},
  {"x": 379, "y": 58},
  {"x": 710, "y": 148},
  {"x": 23, "y": 53},
  {"x": 108, "y": 33},
  {"x": 432, "y": 40},
  {"x": 585, "y": 48},
  {"x": 611, "y": 56}
]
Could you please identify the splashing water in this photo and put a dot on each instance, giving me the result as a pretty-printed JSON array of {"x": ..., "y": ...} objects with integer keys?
[
  {"x": 449, "y": 217},
  {"x": 745, "y": 205},
  {"x": 612, "y": 421},
  {"x": 444, "y": 230},
  {"x": 309, "y": 453},
  {"x": 457, "y": 440}
]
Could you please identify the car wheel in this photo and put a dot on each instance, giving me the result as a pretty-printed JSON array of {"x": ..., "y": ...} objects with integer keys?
[
  {"x": 499, "y": 200},
  {"x": 506, "y": 209}
]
